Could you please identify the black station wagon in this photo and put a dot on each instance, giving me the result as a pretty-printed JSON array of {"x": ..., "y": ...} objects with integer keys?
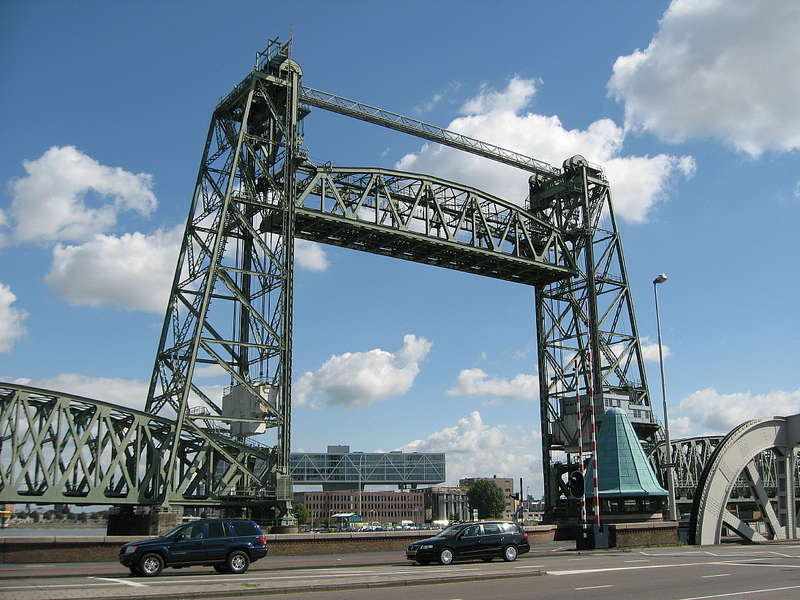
[
  {"x": 228, "y": 545},
  {"x": 485, "y": 540}
]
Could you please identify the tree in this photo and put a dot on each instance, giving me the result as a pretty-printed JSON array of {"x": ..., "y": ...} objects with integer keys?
[
  {"x": 301, "y": 513},
  {"x": 488, "y": 498}
]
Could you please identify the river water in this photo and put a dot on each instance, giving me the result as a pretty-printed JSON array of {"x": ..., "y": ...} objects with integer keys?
[{"x": 51, "y": 531}]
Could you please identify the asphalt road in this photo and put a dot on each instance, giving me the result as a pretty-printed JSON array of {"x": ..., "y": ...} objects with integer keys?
[{"x": 754, "y": 572}]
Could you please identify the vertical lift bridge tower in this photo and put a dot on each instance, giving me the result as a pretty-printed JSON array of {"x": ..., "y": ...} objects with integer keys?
[{"x": 230, "y": 306}]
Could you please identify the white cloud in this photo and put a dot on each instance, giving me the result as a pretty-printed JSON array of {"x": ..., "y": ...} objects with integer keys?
[
  {"x": 310, "y": 255},
  {"x": 357, "y": 379},
  {"x": 475, "y": 382},
  {"x": 650, "y": 350},
  {"x": 50, "y": 203},
  {"x": 12, "y": 319},
  {"x": 726, "y": 70},
  {"x": 499, "y": 117},
  {"x": 796, "y": 190},
  {"x": 475, "y": 449},
  {"x": 131, "y": 393},
  {"x": 209, "y": 371},
  {"x": 132, "y": 272},
  {"x": 711, "y": 412}
]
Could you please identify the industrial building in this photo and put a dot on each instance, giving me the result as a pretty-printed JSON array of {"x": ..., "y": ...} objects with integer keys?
[{"x": 447, "y": 503}]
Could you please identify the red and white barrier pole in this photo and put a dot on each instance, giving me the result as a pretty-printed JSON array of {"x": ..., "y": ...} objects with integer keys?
[
  {"x": 580, "y": 444},
  {"x": 594, "y": 442}
]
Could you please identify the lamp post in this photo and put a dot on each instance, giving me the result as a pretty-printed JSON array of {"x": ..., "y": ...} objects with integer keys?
[{"x": 672, "y": 513}]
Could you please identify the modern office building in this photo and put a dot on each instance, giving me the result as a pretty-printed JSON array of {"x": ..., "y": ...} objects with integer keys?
[
  {"x": 506, "y": 484},
  {"x": 339, "y": 469}
]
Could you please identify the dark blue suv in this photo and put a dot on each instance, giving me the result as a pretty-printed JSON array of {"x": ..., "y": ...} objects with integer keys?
[{"x": 228, "y": 545}]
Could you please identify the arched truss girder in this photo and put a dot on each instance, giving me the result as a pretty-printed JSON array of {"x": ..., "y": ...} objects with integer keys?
[
  {"x": 736, "y": 457},
  {"x": 426, "y": 219},
  {"x": 62, "y": 448}
]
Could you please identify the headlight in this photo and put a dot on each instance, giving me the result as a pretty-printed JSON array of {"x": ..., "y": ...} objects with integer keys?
[
  {"x": 129, "y": 549},
  {"x": 426, "y": 547}
]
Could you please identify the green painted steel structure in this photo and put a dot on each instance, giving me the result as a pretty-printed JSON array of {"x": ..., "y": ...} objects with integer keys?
[{"x": 230, "y": 305}]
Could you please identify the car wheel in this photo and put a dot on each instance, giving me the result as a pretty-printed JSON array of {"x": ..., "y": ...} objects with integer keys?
[
  {"x": 220, "y": 568},
  {"x": 151, "y": 564},
  {"x": 446, "y": 556},
  {"x": 238, "y": 561},
  {"x": 424, "y": 563},
  {"x": 510, "y": 553},
  {"x": 487, "y": 558}
]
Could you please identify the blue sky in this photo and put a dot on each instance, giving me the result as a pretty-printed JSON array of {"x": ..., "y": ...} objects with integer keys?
[{"x": 691, "y": 108}]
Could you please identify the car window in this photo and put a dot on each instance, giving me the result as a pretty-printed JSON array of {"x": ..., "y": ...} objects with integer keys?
[
  {"x": 246, "y": 528},
  {"x": 509, "y": 528},
  {"x": 216, "y": 530},
  {"x": 472, "y": 531},
  {"x": 196, "y": 531},
  {"x": 491, "y": 529}
]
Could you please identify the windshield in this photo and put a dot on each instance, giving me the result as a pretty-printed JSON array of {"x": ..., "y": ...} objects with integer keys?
[
  {"x": 172, "y": 531},
  {"x": 451, "y": 531}
]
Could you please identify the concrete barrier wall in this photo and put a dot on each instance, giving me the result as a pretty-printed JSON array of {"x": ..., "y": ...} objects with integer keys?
[
  {"x": 52, "y": 549},
  {"x": 633, "y": 535}
]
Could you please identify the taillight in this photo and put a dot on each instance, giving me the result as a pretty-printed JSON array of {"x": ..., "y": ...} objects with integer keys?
[
  {"x": 524, "y": 535},
  {"x": 262, "y": 540}
]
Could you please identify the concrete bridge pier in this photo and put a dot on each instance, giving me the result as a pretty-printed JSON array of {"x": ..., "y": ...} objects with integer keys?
[{"x": 142, "y": 520}]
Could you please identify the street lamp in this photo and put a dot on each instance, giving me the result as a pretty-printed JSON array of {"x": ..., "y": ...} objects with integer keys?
[{"x": 672, "y": 514}]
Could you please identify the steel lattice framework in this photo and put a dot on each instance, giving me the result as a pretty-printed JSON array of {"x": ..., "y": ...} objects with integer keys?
[
  {"x": 230, "y": 306},
  {"x": 60, "y": 448}
]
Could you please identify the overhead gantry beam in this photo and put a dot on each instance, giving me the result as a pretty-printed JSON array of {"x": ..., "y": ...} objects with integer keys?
[{"x": 433, "y": 133}]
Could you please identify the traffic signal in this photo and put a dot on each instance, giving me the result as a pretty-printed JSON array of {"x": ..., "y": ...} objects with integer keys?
[{"x": 575, "y": 484}]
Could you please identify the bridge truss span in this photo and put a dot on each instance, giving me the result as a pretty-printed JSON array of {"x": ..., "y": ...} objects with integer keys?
[{"x": 429, "y": 220}]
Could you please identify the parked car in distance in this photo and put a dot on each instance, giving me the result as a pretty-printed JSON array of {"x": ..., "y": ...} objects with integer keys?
[
  {"x": 485, "y": 540},
  {"x": 228, "y": 545}
]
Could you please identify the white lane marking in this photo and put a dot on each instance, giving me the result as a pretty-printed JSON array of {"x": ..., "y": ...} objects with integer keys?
[
  {"x": 719, "y": 575},
  {"x": 745, "y": 593},
  {"x": 531, "y": 566},
  {"x": 593, "y": 587},
  {"x": 608, "y": 569},
  {"x": 638, "y": 559},
  {"x": 122, "y": 581},
  {"x": 752, "y": 564}
]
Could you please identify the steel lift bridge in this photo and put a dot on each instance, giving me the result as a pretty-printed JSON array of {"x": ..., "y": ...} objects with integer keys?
[{"x": 230, "y": 307}]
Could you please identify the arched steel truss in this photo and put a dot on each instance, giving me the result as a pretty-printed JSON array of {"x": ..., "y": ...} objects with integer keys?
[
  {"x": 57, "y": 448},
  {"x": 745, "y": 460}
]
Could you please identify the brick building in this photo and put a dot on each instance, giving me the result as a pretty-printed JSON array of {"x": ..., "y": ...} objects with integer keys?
[{"x": 382, "y": 507}]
